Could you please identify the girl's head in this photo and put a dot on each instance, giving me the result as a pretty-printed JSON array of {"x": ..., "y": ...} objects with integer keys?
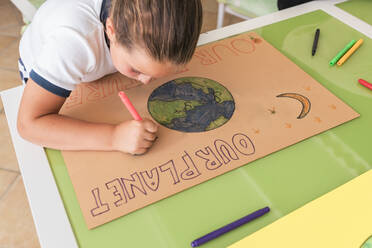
[{"x": 152, "y": 38}]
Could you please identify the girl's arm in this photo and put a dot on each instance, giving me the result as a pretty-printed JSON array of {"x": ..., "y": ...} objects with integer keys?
[{"x": 40, "y": 123}]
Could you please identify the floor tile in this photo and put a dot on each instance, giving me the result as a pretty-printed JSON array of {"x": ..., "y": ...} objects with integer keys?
[
  {"x": 9, "y": 79},
  {"x": 16, "y": 226},
  {"x": 8, "y": 159},
  {"x": 5, "y": 41},
  {"x": 231, "y": 19},
  {"x": 4, "y": 2},
  {"x": 6, "y": 179},
  {"x": 11, "y": 20},
  {"x": 11, "y": 30},
  {"x": 9, "y": 56},
  {"x": 209, "y": 21},
  {"x": 210, "y": 5},
  {"x": 9, "y": 15}
]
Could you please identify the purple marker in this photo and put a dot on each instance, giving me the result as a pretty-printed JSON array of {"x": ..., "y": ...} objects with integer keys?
[{"x": 229, "y": 227}]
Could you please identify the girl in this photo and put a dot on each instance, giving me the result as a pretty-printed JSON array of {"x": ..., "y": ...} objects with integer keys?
[{"x": 74, "y": 41}]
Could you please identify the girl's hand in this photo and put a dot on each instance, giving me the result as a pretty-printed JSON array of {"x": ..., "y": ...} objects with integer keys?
[{"x": 134, "y": 137}]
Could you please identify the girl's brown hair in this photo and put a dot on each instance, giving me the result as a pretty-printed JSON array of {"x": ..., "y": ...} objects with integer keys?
[{"x": 167, "y": 29}]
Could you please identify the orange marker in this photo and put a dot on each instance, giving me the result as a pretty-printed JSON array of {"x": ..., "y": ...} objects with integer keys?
[
  {"x": 350, "y": 52},
  {"x": 129, "y": 106},
  {"x": 365, "y": 84}
]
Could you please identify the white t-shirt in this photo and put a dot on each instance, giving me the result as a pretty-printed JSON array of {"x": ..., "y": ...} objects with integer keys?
[{"x": 65, "y": 45}]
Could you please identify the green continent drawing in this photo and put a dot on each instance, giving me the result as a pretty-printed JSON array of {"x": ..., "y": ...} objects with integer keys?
[{"x": 191, "y": 104}]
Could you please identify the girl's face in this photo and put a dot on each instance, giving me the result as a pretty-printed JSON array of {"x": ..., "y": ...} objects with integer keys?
[{"x": 136, "y": 63}]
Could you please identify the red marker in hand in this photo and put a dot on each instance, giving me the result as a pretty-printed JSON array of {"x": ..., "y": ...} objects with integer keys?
[
  {"x": 129, "y": 106},
  {"x": 365, "y": 84}
]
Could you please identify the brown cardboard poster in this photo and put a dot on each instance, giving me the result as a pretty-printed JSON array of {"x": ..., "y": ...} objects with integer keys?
[{"x": 238, "y": 100}]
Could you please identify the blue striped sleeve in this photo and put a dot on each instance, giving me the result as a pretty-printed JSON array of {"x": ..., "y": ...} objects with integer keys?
[{"x": 48, "y": 85}]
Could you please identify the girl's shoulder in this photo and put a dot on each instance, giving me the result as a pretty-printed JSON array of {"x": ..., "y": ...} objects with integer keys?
[{"x": 80, "y": 15}]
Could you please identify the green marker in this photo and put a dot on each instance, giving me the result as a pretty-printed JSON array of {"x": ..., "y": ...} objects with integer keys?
[{"x": 342, "y": 52}]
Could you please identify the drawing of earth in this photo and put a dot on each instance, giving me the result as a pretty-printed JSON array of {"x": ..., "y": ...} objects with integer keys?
[{"x": 191, "y": 104}]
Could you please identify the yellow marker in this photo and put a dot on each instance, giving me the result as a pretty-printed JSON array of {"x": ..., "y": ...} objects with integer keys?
[{"x": 350, "y": 52}]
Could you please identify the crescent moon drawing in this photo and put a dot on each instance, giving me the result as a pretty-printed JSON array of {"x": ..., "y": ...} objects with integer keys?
[{"x": 306, "y": 105}]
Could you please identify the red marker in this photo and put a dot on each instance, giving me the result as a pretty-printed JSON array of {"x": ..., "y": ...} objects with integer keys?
[
  {"x": 129, "y": 106},
  {"x": 365, "y": 84}
]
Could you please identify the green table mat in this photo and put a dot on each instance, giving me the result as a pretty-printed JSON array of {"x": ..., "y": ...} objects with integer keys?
[
  {"x": 358, "y": 8},
  {"x": 284, "y": 180}
]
